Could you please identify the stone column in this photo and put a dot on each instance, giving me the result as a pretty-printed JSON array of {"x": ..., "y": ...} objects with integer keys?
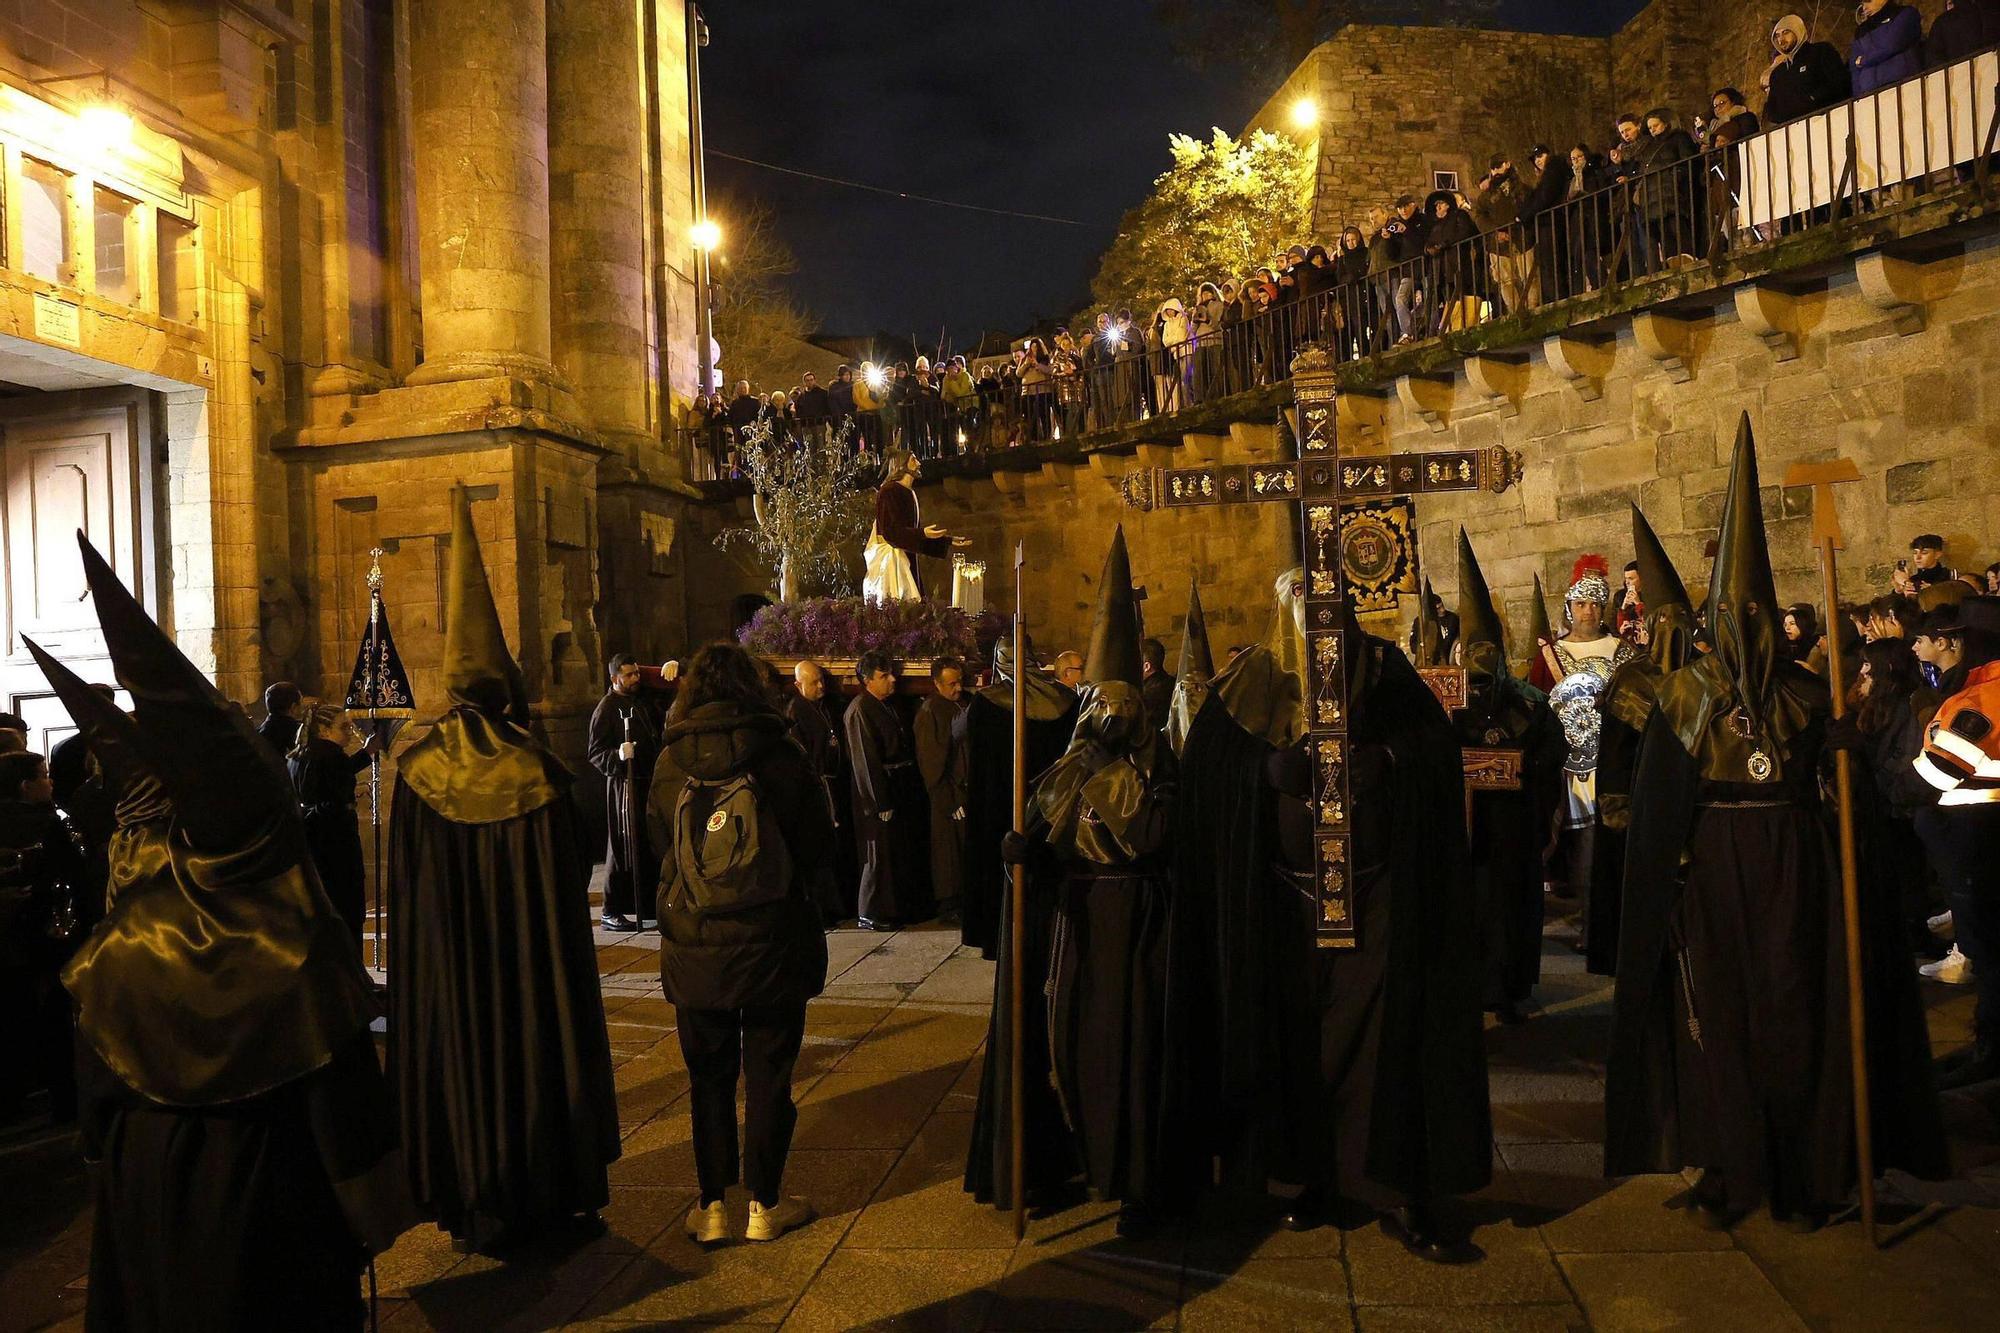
[
  {"x": 480, "y": 136},
  {"x": 597, "y": 214}
]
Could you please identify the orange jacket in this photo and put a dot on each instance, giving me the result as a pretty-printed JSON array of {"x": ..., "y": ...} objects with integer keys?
[{"x": 1961, "y": 755}]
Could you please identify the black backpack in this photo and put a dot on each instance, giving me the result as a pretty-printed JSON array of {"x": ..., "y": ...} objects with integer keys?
[{"x": 729, "y": 849}]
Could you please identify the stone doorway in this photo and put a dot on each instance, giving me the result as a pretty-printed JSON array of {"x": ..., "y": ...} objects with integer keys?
[{"x": 78, "y": 451}]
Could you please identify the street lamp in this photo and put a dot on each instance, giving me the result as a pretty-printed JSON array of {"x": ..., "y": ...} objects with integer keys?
[
  {"x": 104, "y": 127},
  {"x": 706, "y": 235},
  {"x": 1305, "y": 114}
]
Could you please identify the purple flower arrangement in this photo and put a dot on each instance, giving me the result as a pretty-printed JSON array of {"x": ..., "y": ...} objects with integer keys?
[{"x": 840, "y": 627}]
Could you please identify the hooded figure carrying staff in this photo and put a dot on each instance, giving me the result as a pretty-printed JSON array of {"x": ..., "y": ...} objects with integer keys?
[
  {"x": 1729, "y": 1038},
  {"x": 1626, "y": 707},
  {"x": 243, "y": 1142},
  {"x": 496, "y": 1021},
  {"x": 1354, "y": 1073}
]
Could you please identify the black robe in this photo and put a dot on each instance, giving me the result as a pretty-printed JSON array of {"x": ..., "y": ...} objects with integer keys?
[
  {"x": 1510, "y": 831},
  {"x": 324, "y": 778},
  {"x": 895, "y": 861},
  {"x": 632, "y": 869},
  {"x": 941, "y": 761},
  {"x": 1744, "y": 945},
  {"x": 987, "y": 729},
  {"x": 813, "y": 727},
  {"x": 496, "y": 1020},
  {"x": 247, "y": 1215},
  {"x": 1617, "y": 764},
  {"x": 1360, "y": 1071}
]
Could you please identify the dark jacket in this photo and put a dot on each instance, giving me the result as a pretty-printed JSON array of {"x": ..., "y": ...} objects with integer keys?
[
  {"x": 743, "y": 410},
  {"x": 840, "y": 400},
  {"x": 812, "y": 405},
  {"x": 1551, "y": 188},
  {"x": 1814, "y": 78},
  {"x": 768, "y": 956},
  {"x": 1405, "y": 237},
  {"x": 1887, "y": 48},
  {"x": 1967, "y": 26}
]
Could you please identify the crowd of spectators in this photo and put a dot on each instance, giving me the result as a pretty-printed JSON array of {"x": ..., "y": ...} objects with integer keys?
[{"x": 1556, "y": 222}]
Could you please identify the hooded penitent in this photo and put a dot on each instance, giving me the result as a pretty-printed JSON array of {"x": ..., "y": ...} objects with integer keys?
[
  {"x": 1430, "y": 635},
  {"x": 1109, "y": 765},
  {"x": 221, "y": 970},
  {"x": 1264, "y": 689},
  {"x": 1736, "y": 708},
  {"x": 479, "y": 764},
  {"x": 1044, "y": 697},
  {"x": 1197, "y": 668},
  {"x": 1540, "y": 635},
  {"x": 1482, "y": 639}
]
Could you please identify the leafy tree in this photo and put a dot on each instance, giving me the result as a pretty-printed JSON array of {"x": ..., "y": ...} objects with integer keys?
[
  {"x": 757, "y": 324},
  {"x": 1268, "y": 38},
  {"x": 1225, "y": 207}
]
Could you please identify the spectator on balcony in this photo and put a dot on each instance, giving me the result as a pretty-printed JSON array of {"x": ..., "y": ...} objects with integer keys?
[
  {"x": 840, "y": 398},
  {"x": 871, "y": 386},
  {"x": 1803, "y": 77},
  {"x": 1585, "y": 216},
  {"x": 1672, "y": 213},
  {"x": 1129, "y": 344},
  {"x": 778, "y": 416},
  {"x": 1628, "y": 169},
  {"x": 1402, "y": 242},
  {"x": 1354, "y": 298},
  {"x": 1066, "y": 363},
  {"x": 1731, "y": 124},
  {"x": 1496, "y": 207},
  {"x": 1038, "y": 391},
  {"x": 1888, "y": 45},
  {"x": 1168, "y": 349},
  {"x": 1545, "y": 229},
  {"x": 812, "y": 406},
  {"x": 1205, "y": 336},
  {"x": 1965, "y": 28},
  {"x": 1457, "y": 272},
  {"x": 1235, "y": 356},
  {"x": 924, "y": 409},
  {"x": 744, "y": 409},
  {"x": 961, "y": 406}
]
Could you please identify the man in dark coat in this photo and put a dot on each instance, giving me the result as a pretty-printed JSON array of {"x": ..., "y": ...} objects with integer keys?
[
  {"x": 623, "y": 745},
  {"x": 814, "y": 727},
  {"x": 891, "y": 807},
  {"x": 280, "y": 727},
  {"x": 1965, "y": 28},
  {"x": 941, "y": 760},
  {"x": 242, "y": 1139},
  {"x": 1097, "y": 850},
  {"x": 1625, "y": 708},
  {"x": 1804, "y": 76},
  {"x": 1512, "y": 831},
  {"x": 1359, "y": 1073},
  {"x": 496, "y": 1019},
  {"x": 986, "y": 737},
  {"x": 1729, "y": 1038}
]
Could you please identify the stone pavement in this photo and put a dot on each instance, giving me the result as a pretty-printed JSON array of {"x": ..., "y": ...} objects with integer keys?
[{"x": 886, "y": 1085}]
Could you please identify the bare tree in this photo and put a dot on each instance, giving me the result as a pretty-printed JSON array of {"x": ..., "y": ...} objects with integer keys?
[{"x": 757, "y": 323}]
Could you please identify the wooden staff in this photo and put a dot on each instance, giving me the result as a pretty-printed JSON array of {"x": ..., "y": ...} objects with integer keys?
[
  {"x": 1823, "y": 477},
  {"x": 1017, "y": 953}
]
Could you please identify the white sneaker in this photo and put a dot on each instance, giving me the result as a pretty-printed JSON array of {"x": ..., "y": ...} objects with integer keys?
[
  {"x": 1941, "y": 925},
  {"x": 773, "y": 1222},
  {"x": 648, "y": 923},
  {"x": 708, "y": 1225},
  {"x": 1954, "y": 969}
]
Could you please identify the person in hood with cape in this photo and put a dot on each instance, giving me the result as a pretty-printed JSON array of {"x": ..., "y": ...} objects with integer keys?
[
  {"x": 241, "y": 1133},
  {"x": 496, "y": 1021},
  {"x": 985, "y": 733},
  {"x": 1512, "y": 831},
  {"x": 1347, "y": 1073},
  {"x": 1729, "y": 1038},
  {"x": 1098, "y": 846},
  {"x": 1625, "y": 707}
]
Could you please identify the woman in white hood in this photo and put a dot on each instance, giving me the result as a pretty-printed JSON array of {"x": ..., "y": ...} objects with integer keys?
[{"x": 1170, "y": 357}]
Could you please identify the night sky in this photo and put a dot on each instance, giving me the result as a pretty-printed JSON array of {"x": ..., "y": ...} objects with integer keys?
[{"x": 1058, "y": 107}]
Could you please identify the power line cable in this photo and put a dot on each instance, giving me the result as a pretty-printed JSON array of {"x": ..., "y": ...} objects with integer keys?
[{"x": 895, "y": 194}]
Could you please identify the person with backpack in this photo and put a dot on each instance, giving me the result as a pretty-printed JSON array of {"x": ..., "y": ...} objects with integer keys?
[{"x": 741, "y": 950}]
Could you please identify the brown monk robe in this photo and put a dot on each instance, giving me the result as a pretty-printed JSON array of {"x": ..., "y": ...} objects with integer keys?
[{"x": 941, "y": 760}]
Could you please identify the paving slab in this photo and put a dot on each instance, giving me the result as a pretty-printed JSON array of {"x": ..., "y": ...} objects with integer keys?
[
  {"x": 1268, "y": 1294},
  {"x": 1631, "y": 1293},
  {"x": 947, "y": 1290}
]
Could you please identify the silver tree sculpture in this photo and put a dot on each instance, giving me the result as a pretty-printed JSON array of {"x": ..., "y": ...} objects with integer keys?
[{"x": 810, "y": 498}]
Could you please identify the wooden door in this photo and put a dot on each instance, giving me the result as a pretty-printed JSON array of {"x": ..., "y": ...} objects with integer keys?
[{"x": 79, "y": 469}]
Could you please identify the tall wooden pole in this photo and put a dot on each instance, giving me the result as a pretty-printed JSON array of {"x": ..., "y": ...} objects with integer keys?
[
  {"x": 1822, "y": 477},
  {"x": 1017, "y": 953}
]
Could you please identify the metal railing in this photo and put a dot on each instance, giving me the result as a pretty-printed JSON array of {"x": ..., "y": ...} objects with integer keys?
[{"x": 1673, "y": 205}]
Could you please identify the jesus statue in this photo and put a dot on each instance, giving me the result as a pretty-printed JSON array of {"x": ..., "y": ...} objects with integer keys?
[{"x": 899, "y": 536}]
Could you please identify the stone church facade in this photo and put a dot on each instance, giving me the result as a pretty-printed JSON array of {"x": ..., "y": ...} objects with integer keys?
[{"x": 277, "y": 274}]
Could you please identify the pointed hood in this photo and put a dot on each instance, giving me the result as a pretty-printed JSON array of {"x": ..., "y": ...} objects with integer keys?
[
  {"x": 479, "y": 672},
  {"x": 1743, "y": 612},
  {"x": 224, "y": 781},
  {"x": 1195, "y": 654},
  {"x": 221, "y": 971},
  {"x": 1114, "y": 636},
  {"x": 1482, "y": 639},
  {"x": 112, "y": 737},
  {"x": 1430, "y": 635},
  {"x": 1197, "y": 669},
  {"x": 1046, "y": 697},
  {"x": 479, "y": 764},
  {"x": 1539, "y": 629},
  {"x": 1669, "y": 612}
]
